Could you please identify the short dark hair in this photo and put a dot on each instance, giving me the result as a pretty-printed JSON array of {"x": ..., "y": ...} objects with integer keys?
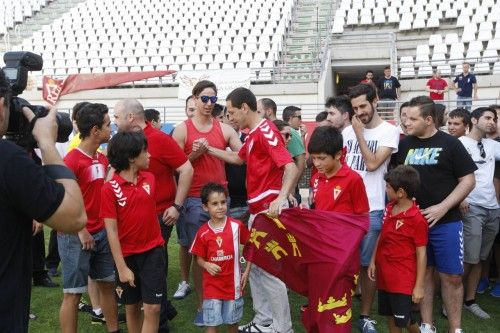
[
  {"x": 403, "y": 105},
  {"x": 187, "y": 99},
  {"x": 321, "y": 116},
  {"x": 77, "y": 108},
  {"x": 363, "y": 89},
  {"x": 89, "y": 116},
  {"x": 124, "y": 146},
  {"x": 210, "y": 188},
  {"x": 217, "y": 110},
  {"x": 341, "y": 103},
  {"x": 494, "y": 106},
  {"x": 478, "y": 113},
  {"x": 268, "y": 103},
  {"x": 461, "y": 113},
  {"x": 387, "y": 67},
  {"x": 426, "y": 106},
  {"x": 369, "y": 71},
  {"x": 201, "y": 85},
  {"x": 5, "y": 90},
  {"x": 242, "y": 95},
  {"x": 152, "y": 115},
  {"x": 439, "y": 115},
  {"x": 289, "y": 111},
  {"x": 325, "y": 139},
  {"x": 404, "y": 177},
  {"x": 280, "y": 124}
]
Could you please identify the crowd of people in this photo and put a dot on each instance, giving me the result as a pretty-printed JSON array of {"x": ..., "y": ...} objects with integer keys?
[{"x": 431, "y": 198}]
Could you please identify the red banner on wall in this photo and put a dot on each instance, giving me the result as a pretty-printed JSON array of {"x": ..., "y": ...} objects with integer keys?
[{"x": 53, "y": 89}]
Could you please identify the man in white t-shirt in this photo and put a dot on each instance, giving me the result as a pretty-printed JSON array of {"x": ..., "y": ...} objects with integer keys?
[
  {"x": 370, "y": 141},
  {"x": 480, "y": 210}
]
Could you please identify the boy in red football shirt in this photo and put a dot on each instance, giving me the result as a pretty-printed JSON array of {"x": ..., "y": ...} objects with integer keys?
[
  {"x": 336, "y": 188},
  {"x": 400, "y": 257},
  {"x": 216, "y": 247},
  {"x": 129, "y": 212}
]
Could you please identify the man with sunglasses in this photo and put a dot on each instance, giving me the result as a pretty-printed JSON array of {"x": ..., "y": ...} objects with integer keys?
[
  {"x": 292, "y": 116},
  {"x": 480, "y": 210},
  {"x": 194, "y": 136}
]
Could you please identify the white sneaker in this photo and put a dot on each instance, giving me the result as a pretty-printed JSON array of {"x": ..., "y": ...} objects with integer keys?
[
  {"x": 427, "y": 328},
  {"x": 476, "y": 310},
  {"x": 182, "y": 291},
  {"x": 252, "y": 327}
]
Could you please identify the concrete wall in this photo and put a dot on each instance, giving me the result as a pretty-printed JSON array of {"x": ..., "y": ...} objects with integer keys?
[{"x": 309, "y": 96}]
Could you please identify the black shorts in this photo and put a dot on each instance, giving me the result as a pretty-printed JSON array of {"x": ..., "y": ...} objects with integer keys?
[
  {"x": 396, "y": 305},
  {"x": 149, "y": 278}
]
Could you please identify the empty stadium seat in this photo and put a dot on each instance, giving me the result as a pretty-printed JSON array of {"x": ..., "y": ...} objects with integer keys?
[
  {"x": 425, "y": 71},
  {"x": 481, "y": 68}
]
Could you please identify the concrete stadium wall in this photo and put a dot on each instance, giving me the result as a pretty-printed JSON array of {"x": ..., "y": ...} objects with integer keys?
[{"x": 309, "y": 96}]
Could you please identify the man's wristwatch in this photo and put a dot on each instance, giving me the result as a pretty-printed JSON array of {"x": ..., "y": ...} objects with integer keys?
[{"x": 179, "y": 208}]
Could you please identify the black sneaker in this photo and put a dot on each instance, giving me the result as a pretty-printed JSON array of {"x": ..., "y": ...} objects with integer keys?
[
  {"x": 84, "y": 307},
  {"x": 97, "y": 319}
]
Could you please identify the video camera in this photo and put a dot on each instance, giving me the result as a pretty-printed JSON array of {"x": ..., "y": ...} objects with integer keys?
[{"x": 17, "y": 66}]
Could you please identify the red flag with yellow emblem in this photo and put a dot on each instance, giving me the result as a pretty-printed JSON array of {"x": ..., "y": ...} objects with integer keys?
[{"x": 316, "y": 254}]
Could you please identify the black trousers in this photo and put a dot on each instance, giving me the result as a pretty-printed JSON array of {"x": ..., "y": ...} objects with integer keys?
[
  {"x": 52, "y": 260},
  {"x": 166, "y": 307},
  {"x": 38, "y": 253}
]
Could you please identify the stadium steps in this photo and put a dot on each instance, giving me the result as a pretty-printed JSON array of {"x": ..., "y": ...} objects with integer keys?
[
  {"x": 45, "y": 16},
  {"x": 306, "y": 41}
]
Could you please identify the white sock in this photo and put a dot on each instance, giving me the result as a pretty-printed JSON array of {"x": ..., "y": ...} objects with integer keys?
[{"x": 97, "y": 311}]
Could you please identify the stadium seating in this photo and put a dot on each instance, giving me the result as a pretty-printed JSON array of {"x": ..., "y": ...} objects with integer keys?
[
  {"x": 13, "y": 12},
  {"x": 477, "y": 42},
  {"x": 110, "y": 36}
]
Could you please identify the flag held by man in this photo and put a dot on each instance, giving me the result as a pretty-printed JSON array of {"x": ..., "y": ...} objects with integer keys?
[{"x": 316, "y": 253}]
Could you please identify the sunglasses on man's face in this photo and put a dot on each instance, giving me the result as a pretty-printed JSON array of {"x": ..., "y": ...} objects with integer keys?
[{"x": 205, "y": 99}]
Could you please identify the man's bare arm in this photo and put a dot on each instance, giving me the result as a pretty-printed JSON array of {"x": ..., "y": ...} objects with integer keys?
[{"x": 230, "y": 157}]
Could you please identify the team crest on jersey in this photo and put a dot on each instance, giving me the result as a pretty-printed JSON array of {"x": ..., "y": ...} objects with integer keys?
[
  {"x": 218, "y": 240},
  {"x": 146, "y": 188},
  {"x": 220, "y": 253},
  {"x": 399, "y": 224},
  {"x": 336, "y": 192}
]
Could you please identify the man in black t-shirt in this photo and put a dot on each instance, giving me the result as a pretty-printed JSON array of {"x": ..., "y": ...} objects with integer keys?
[
  {"x": 29, "y": 192},
  {"x": 388, "y": 91},
  {"x": 447, "y": 177},
  {"x": 236, "y": 181}
]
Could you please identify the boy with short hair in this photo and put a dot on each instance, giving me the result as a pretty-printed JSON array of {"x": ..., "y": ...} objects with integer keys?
[
  {"x": 399, "y": 260},
  {"x": 459, "y": 122},
  {"x": 216, "y": 247},
  {"x": 129, "y": 212},
  {"x": 337, "y": 188}
]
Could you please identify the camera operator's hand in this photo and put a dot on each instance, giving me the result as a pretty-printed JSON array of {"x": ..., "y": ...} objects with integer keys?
[
  {"x": 86, "y": 239},
  {"x": 45, "y": 129}
]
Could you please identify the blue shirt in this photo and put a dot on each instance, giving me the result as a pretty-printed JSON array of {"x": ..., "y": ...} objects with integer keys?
[{"x": 465, "y": 83}]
